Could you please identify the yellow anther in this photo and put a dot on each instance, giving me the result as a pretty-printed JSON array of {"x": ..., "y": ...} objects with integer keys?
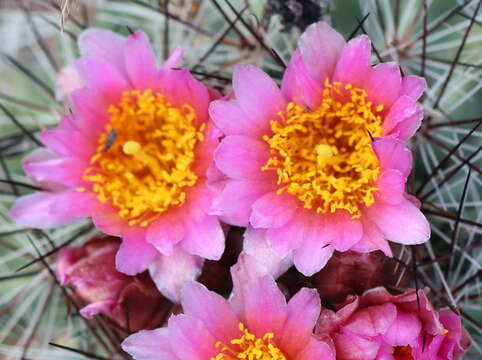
[
  {"x": 445, "y": 331},
  {"x": 131, "y": 147},
  {"x": 249, "y": 347},
  {"x": 324, "y": 156},
  {"x": 148, "y": 167}
]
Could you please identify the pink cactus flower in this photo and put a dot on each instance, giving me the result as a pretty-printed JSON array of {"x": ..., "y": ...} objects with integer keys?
[
  {"x": 257, "y": 325},
  {"x": 132, "y": 156},
  {"x": 321, "y": 164},
  {"x": 378, "y": 325},
  {"x": 132, "y": 302}
]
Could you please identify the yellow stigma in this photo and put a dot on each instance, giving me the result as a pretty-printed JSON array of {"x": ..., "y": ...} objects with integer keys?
[
  {"x": 144, "y": 159},
  {"x": 249, "y": 347},
  {"x": 324, "y": 156},
  {"x": 131, "y": 147}
]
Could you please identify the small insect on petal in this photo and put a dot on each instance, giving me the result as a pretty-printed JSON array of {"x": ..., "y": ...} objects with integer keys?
[{"x": 110, "y": 139}]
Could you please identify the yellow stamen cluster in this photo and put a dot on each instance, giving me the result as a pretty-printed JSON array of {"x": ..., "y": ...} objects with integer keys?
[
  {"x": 324, "y": 156},
  {"x": 144, "y": 159},
  {"x": 249, "y": 347}
]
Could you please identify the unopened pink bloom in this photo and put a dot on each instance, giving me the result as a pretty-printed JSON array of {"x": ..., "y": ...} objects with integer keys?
[
  {"x": 260, "y": 326},
  {"x": 68, "y": 80},
  {"x": 321, "y": 164},
  {"x": 132, "y": 301},
  {"x": 451, "y": 344},
  {"x": 132, "y": 156},
  {"x": 352, "y": 273},
  {"x": 378, "y": 325}
]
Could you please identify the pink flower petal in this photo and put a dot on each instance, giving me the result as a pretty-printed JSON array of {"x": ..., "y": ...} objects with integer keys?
[
  {"x": 190, "y": 339},
  {"x": 373, "y": 320},
  {"x": 320, "y": 47},
  {"x": 273, "y": 210},
  {"x": 250, "y": 268},
  {"x": 384, "y": 84},
  {"x": 298, "y": 85},
  {"x": 316, "y": 350},
  {"x": 135, "y": 253},
  {"x": 180, "y": 88},
  {"x": 402, "y": 223},
  {"x": 353, "y": 66},
  {"x": 303, "y": 311},
  {"x": 342, "y": 230},
  {"x": 73, "y": 204},
  {"x": 234, "y": 203},
  {"x": 165, "y": 233},
  {"x": 149, "y": 345},
  {"x": 140, "y": 62},
  {"x": 265, "y": 307},
  {"x": 413, "y": 86},
  {"x": 405, "y": 330},
  {"x": 350, "y": 346},
  {"x": 105, "y": 219},
  {"x": 107, "y": 81},
  {"x": 267, "y": 261},
  {"x": 212, "y": 309},
  {"x": 312, "y": 256},
  {"x": 68, "y": 143},
  {"x": 99, "y": 307},
  {"x": 245, "y": 271},
  {"x": 392, "y": 154},
  {"x": 408, "y": 302},
  {"x": 172, "y": 273},
  {"x": 205, "y": 149},
  {"x": 372, "y": 239},
  {"x": 35, "y": 210},
  {"x": 404, "y": 118},
  {"x": 68, "y": 80},
  {"x": 287, "y": 237},
  {"x": 103, "y": 44},
  {"x": 457, "y": 341},
  {"x": 330, "y": 321},
  {"x": 204, "y": 238},
  {"x": 91, "y": 112},
  {"x": 391, "y": 187},
  {"x": 174, "y": 60},
  {"x": 232, "y": 120},
  {"x": 258, "y": 95},
  {"x": 41, "y": 155},
  {"x": 199, "y": 198},
  {"x": 72, "y": 122},
  {"x": 241, "y": 157},
  {"x": 66, "y": 171}
]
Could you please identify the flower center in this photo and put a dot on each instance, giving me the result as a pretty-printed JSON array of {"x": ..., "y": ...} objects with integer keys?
[
  {"x": 324, "y": 156},
  {"x": 143, "y": 163},
  {"x": 402, "y": 353},
  {"x": 249, "y": 347}
]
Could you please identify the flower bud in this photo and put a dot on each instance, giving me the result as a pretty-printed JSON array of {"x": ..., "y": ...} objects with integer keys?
[
  {"x": 132, "y": 302},
  {"x": 352, "y": 273}
]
